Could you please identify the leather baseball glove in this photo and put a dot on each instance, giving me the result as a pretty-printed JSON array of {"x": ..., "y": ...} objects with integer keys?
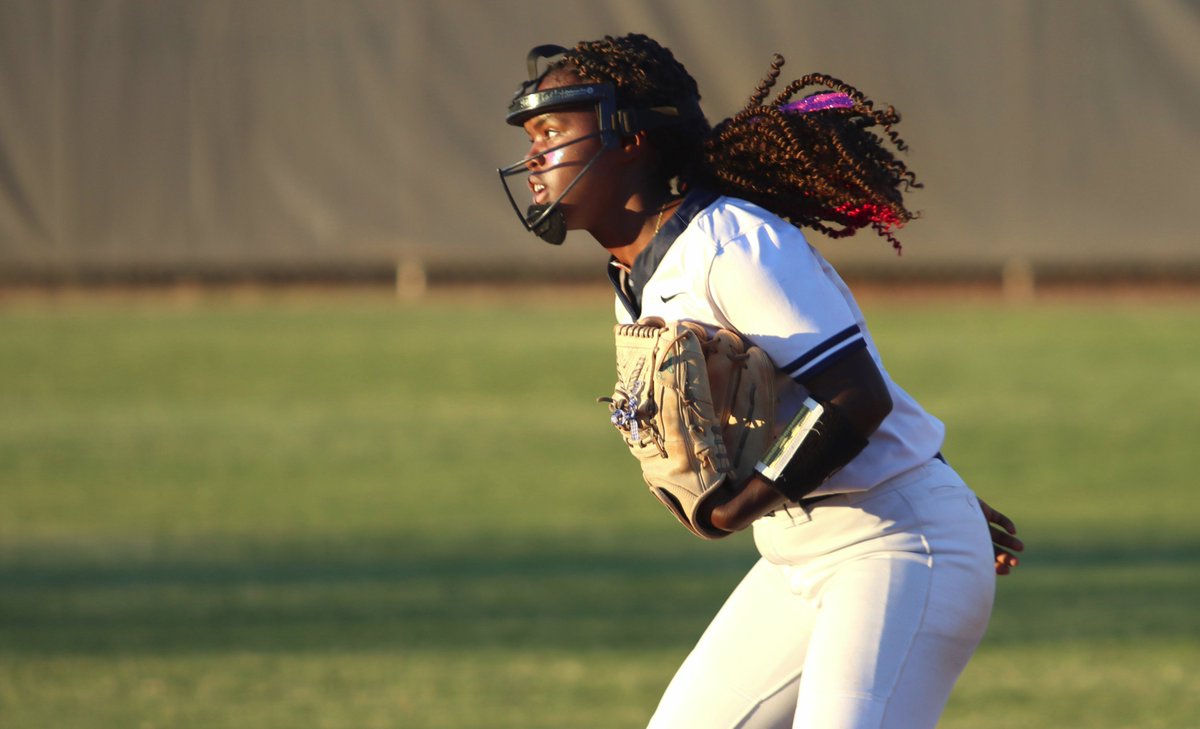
[{"x": 696, "y": 410}]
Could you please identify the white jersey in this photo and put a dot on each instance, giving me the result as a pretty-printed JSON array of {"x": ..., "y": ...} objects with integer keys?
[{"x": 721, "y": 261}]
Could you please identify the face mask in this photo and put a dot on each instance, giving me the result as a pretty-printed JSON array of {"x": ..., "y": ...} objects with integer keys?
[{"x": 547, "y": 220}]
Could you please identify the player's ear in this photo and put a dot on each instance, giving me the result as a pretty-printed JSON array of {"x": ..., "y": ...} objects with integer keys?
[{"x": 635, "y": 146}]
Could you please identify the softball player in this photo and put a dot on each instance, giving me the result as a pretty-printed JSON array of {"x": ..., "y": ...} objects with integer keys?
[{"x": 876, "y": 580}]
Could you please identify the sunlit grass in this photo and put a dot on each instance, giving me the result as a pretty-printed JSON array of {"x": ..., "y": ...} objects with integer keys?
[{"x": 355, "y": 513}]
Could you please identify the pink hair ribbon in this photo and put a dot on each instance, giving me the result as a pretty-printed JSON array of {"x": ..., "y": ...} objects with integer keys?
[{"x": 819, "y": 102}]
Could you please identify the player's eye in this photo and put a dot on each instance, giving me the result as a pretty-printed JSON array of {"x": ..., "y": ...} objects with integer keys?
[{"x": 542, "y": 135}]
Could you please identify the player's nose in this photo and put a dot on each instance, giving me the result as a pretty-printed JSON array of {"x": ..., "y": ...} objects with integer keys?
[{"x": 536, "y": 158}]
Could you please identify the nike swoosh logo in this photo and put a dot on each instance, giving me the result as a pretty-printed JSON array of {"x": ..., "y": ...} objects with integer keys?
[{"x": 665, "y": 299}]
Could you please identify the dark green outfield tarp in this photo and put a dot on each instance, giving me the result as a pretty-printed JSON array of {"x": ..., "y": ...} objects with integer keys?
[{"x": 260, "y": 135}]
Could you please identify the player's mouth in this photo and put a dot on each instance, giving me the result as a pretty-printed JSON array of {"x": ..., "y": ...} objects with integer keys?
[{"x": 539, "y": 191}]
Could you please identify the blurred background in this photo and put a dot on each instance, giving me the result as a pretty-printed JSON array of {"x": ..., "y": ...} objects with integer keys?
[
  {"x": 272, "y": 493},
  {"x": 276, "y": 139}
]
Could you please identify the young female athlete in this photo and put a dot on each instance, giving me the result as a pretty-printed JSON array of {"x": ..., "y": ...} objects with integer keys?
[{"x": 876, "y": 575}]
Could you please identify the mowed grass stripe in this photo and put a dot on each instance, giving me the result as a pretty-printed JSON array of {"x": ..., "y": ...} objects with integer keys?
[{"x": 354, "y": 513}]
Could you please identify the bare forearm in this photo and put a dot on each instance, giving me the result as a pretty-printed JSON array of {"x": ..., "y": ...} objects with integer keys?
[{"x": 748, "y": 504}]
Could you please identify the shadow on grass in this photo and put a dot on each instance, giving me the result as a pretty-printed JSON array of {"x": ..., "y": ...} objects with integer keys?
[{"x": 549, "y": 596}]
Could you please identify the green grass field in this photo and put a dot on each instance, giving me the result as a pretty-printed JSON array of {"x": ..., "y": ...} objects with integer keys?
[{"x": 291, "y": 513}]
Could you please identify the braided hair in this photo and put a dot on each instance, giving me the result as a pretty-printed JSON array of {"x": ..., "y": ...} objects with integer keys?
[{"x": 832, "y": 169}]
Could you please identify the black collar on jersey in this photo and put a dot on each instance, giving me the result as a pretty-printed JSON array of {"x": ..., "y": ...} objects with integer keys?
[{"x": 629, "y": 286}]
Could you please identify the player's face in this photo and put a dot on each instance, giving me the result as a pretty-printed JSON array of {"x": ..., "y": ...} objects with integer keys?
[{"x": 562, "y": 143}]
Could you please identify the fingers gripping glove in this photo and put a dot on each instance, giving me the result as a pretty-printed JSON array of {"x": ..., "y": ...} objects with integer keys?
[{"x": 695, "y": 411}]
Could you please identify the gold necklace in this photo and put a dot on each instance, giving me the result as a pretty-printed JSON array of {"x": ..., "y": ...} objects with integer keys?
[{"x": 663, "y": 209}]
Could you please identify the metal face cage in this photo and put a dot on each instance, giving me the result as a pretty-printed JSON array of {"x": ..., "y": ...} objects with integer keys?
[{"x": 547, "y": 221}]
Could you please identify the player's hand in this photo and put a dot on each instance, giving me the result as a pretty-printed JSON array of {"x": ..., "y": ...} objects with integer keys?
[{"x": 1004, "y": 539}]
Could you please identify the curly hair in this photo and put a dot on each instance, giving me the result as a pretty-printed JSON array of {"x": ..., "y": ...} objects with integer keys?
[{"x": 828, "y": 170}]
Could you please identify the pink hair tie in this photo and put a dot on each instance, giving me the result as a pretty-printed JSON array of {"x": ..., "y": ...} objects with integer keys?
[{"x": 819, "y": 102}]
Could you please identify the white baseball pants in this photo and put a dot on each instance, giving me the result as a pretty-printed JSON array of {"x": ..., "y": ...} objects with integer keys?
[{"x": 862, "y": 613}]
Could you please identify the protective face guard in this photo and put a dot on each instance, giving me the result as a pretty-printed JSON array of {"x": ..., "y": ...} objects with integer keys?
[{"x": 547, "y": 221}]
